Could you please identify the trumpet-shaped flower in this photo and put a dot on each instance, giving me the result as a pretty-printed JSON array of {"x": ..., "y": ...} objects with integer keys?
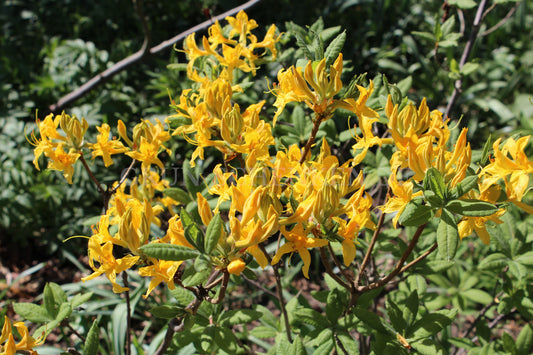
[
  {"x": 108, "y": 265},
  {"x": 297, "y": 241},
  {"x": 104, "y": 147},
  {"x": 27, "y": 343},
  {"x": 160, "y": 271}
]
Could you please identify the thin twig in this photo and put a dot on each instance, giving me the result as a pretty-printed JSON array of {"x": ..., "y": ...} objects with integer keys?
[
  {"x": 91, "y": 175},
  {"x": 128, "y": 313},
  {"x": 125, "y": 63},
  {"x": 466, "y": 52},
  {"x": 279, "y": 289},
  {"x": 338, "y": 264},
  {"x": 259, "y": 286},
  {"x": 502, "y": 21},
  {"x": 311, "y": 140},
  {"x": 329, "y": 270},
  {"x": 223, "y": 287},
  {"x": 399, "y": 265},
  {"x": 368, "y": 254},
  {"x": 420, "y": 258}
]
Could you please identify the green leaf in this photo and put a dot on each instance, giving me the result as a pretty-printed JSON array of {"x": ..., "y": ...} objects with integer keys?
[
  {"x": 410, "y": 311},
  {"x": 463, "y": 187},
  {"x": 372, "y": 320},
  {"x": 177, "y": 194},
  {"x": 167, "y": 311},
  {"x": 526, "y": 258},
  {"x": 472, "y": 208},
  {"x": 494, "y": 261},
  {"x": 447, "y": 235},
  {"x": 425, "y": 35},
  {"x": 80, "y": 299},
  {"x": 434, "y": 200},
  {"x": 415, "y": 214},
  {"x": 524, "y": 341},
  {"x": 226, "y": 340},
  {"x": 478, "y": 296},
  {"x": 49, "y": 302},
  {"x": 486, "y": 151},
  {"x": 334, "y": 48},
  {"x": 335, "y": 305},
  {"x": 169, "y": 252},
  {"x": 349, "y": 344},
  {"x": 193, "y": 234},
  {"x": 469, "y": 68},
  {"x": 93, "y": 340},
  {"x": 298, "y": 347},
  {"x": 238, "y": 317},
  {"x": 395, "y": 315},
  {"x": 303, "y": 46},
  {"x": 32, "y": 312},
  {"x": 213, "y": 233},
  {"x": 311, "y": 317},
  {"x": 435, "y": 182},
  {"x": 462, "y": 4},
  {"x": 432, "y": 323},
  {"x": 192, "y": 277},
  {"x": 183, "y": 296},
  {"x": 263, "y": 332}
]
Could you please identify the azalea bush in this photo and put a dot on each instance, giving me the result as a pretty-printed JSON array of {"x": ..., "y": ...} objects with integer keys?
[{"x": 318, "y": 171}]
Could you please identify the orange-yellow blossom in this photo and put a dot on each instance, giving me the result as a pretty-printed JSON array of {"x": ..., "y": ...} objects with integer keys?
[{"x": 297, "y": 241}]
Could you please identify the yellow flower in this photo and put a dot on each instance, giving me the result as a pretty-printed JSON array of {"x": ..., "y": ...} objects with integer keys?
[
  {"x": 511, "y": 164},
  {"x": 147, "y": 154},
  {"x": 467, "y": 225},
  {"x": 240, "y": 24},
  {"x": 27, "y": 343},
  {"x": 63, "y": 161},
  {"x": 160, "y": 271},
  {"x": 403, "y": 194},
  {"x": 297, "y": 241},
  {"x": 104, "y": 147},
  {"x": 236, "y": 266},
  {"x": 293, "y": 86},
  {"x": 103, "y": 254}
]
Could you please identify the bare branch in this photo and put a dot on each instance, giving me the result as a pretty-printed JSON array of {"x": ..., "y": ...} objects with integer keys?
[
  {"x": 466, "y": 52},
  {"x": 125, "y": 63}
]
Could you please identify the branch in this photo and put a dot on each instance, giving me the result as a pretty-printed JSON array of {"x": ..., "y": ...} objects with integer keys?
[
  {"x": 399, "y": 265},
  {"x": 466, "y": 52},
  {"x": 125, "y": 63},
  {"x": 366, "y": 259},
  {"x": 502, "y": 21},
  {"x": 279, "y": 289}
]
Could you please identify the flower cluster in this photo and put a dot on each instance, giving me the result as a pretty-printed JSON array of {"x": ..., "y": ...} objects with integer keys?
[
  {"x": 306, "y": 201},
  {"x": 8, "y": 345}
]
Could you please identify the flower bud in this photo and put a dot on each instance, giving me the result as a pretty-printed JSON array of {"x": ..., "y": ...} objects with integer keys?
[{"x": 235, "y": 267}]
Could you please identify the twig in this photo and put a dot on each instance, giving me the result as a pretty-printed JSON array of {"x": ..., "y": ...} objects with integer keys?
[
  {"x": 91, "y": 175},
  {"x": 259, "y": 286},
  {"x": 279, "y": 290},
  {"x": 329, "y": 270},
  {"x": 223, "y": 287},
  {"x": 368, "y": 254},
  {"x": 177, "y": 324},
  {"x": 128, "y": 313},
  {"x": 466, "y": 52},
  {"x": 139, "y": 55},
  {"x": 311, "y": 140},
  {"x": 420, "y": 258},
  {"x": 502, "y": 21},
  {"x": 338, "y": 264},
  {"x": 399, "y": 265}
]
